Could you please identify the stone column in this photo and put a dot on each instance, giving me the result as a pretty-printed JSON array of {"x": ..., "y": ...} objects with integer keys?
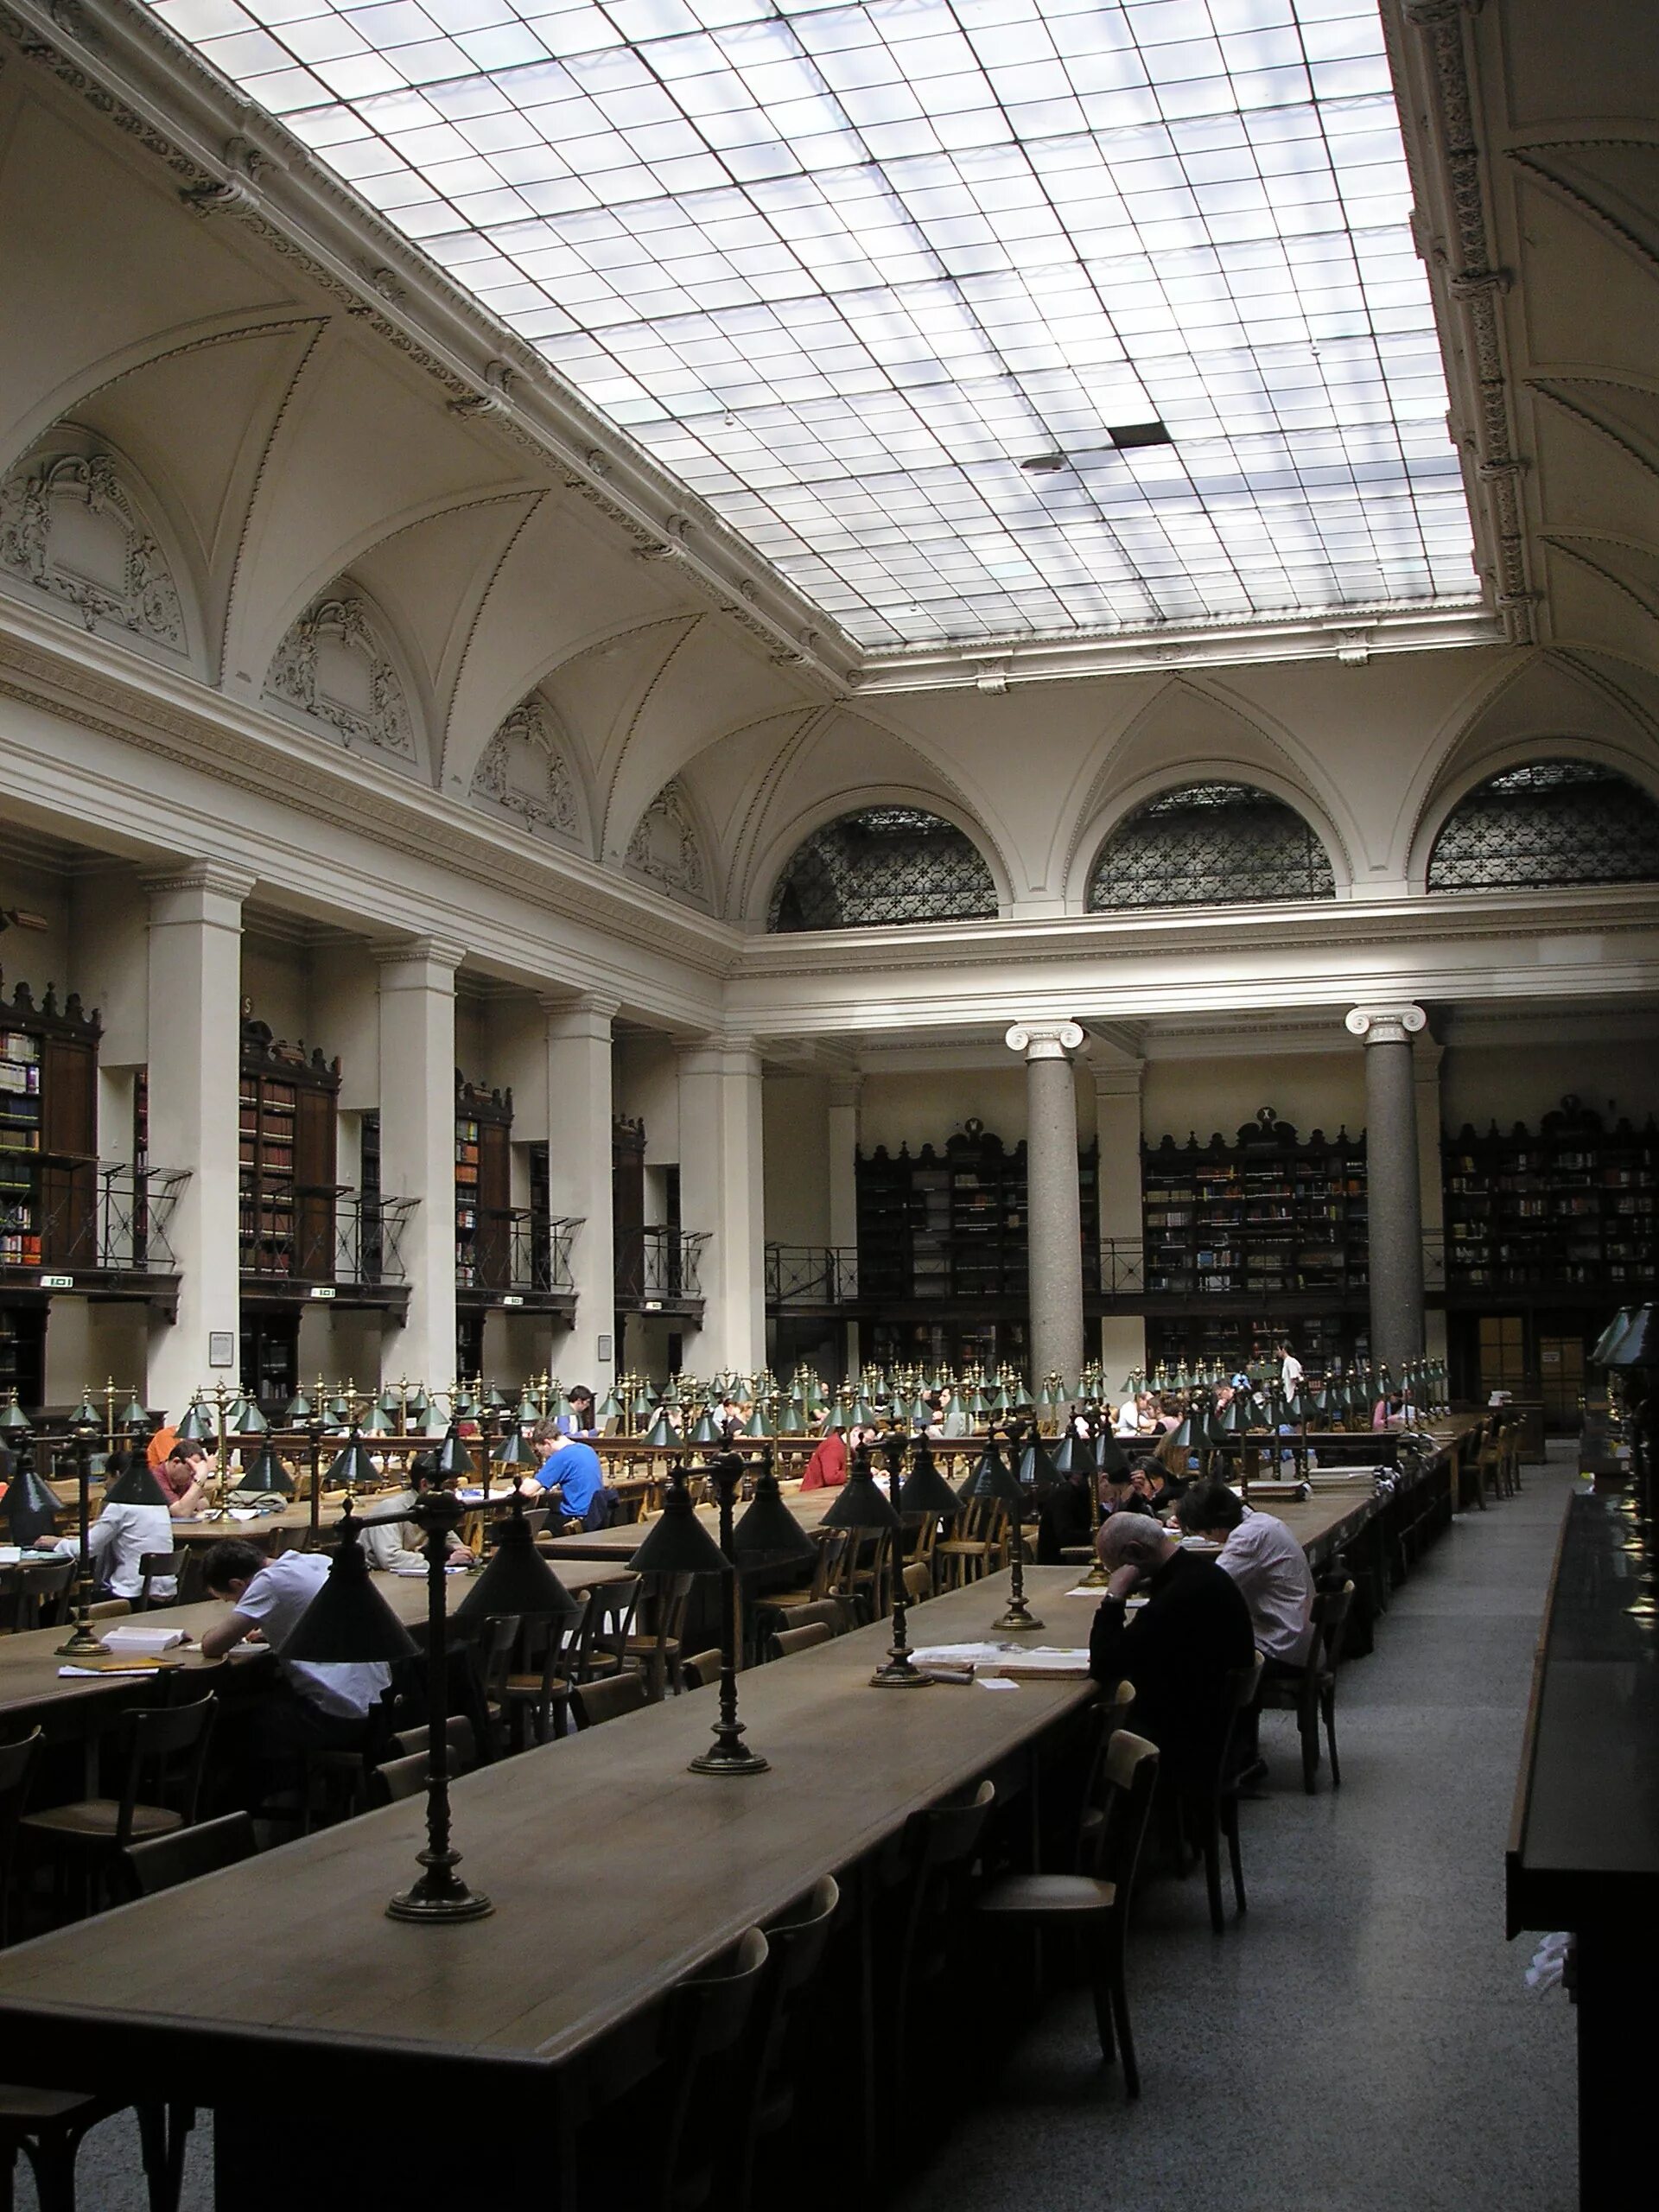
[
  {"x": 846, "y": 1092},
  {"x": 1118, "y": 1130},
  {"x": 722, "y": 1190},
  {"x": 417, "y": 1146},
  {"x": 579, "y": 1176},
  {"x": 193, "y": 1054},
  {"x": 1393, "y": 1194},
  {"x": 1426, "y": 1060},
  {"x": 1052, "y": 1202}
]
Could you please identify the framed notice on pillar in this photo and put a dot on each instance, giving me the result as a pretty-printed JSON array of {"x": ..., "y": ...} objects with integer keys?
[
  {"x": 221, "y": 1348},
  {"x": 603, "y": 1351}
]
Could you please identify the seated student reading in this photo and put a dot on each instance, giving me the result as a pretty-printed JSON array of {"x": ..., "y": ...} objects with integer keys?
[
  {"x": 572, "y": 1477},
  {"x": 135, "y": 1520},
  {"x": 401, "y": 1544}
]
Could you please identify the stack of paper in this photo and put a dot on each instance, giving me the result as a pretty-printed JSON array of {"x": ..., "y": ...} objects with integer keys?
[{"x": 131, "y": 1642}]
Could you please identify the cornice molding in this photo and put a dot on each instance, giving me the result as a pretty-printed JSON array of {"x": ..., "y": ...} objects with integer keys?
[{"x": 70, "y": 675}]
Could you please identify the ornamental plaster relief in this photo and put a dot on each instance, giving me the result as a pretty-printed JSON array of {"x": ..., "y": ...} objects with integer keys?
[
  {"x": 334, "y": 667},
  {"x": 666, "y": 849},
  {"x": 68, "y": 527},
  {"x": 523, "y": 772}
]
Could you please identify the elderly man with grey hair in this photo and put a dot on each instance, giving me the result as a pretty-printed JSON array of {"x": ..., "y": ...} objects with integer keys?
[{"x": 1178, "y": 1648}]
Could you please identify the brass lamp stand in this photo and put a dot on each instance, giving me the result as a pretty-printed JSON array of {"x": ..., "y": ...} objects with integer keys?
[
  {"x": 679, "y": 1544},
  {"x": 82, "y": 1644}
]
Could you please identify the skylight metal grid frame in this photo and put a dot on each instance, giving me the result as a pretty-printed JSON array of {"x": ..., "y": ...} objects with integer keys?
[{"x": 841, "y": 267}]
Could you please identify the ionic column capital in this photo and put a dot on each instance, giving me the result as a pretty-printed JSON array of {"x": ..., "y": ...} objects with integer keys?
[
  {"x": 417, "y": 951},
  {"x": 1044, "y": 1041},
  {"x": 1386, "y": 1024}
]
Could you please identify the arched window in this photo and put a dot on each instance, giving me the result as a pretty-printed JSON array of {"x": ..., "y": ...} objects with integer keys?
[
  {"x": 880, "y": 868},
  {"x": 1554, "y": 822},
  {"x": 1210, "y": 845}
]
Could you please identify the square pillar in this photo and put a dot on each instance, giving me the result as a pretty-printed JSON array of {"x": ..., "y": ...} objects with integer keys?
[
  {"x": 194, "y": 1056},
  {"x": 1118, "y": 1128},
  {"x": 843, "y": 1117},
  {"x": 721, "y": 1189},
  {"x": 1426, "y": 1058},
  {"x": 579, "y": 1176},
  {"x": 417, "y": 1146}
]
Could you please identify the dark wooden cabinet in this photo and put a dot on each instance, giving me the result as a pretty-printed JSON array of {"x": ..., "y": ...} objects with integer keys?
[
  {"x": 483, "y": 1187},
  {"x": 289, "y": 1124},
  {"x": 48, "y": 1133}
]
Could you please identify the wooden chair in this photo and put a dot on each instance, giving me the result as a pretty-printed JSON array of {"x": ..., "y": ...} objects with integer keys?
[
  {"x": 707, "y": 2019},
  {"x": 16, "y": 1775},
  {"x": 918, "y": 1582},
  {"x": 1096, "y": 1900},
  {"x": 833, "y": 1544},
  {"x": 107, "y": 1609},
  {"x": 831, "y": 1611},
  {"x": 778, "y": 2060},
  {"x": 1213, "y": 1804},
  {"x": 144, "y": 1870},
  {"x": 160, "y": 1567},
  {"x": 46, "y": 1592},
  {"x": 459, "y": 1733},
  {"x": 608, "y": 1699},
  {"x": 49, "y": 2126},
  {"x": 166, "y": 1753},
  {"x": 393, "y": 1780},
  {"x": 1310, "y": 1692},
  {"x": 977, "y": 1551},
  {"x": 597, "y": 1649},
  {"x": 789, "y": 1640},
  {"x": 934, "y": 1853},
  {"x": 1107, "y": 1718},
  {"x": 697, "y": 1672},
  {"x": 14, "y": 1598},
  {"x": 655, "y": 1650}
]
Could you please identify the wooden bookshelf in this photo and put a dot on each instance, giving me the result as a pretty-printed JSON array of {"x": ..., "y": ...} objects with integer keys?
[
  {"x": 1267, "y": 1215},
  {"x": 1568, "y": 1208},
  {"x": 287, "y": 1161},
  {"x": 48, "y": 1133},
  {"x": 483, "y": 1186}
]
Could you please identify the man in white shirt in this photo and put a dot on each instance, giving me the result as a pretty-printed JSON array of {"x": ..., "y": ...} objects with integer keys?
[
  {"x": 1290, "y": 1371},
  {"x": 314, "y": 1706},
  {"x": 1274, "y": 1578},
  {"x": 135, "y": 1521}
]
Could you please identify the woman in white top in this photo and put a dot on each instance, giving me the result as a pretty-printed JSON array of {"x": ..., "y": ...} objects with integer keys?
[{"x": 135, "y": 1520}]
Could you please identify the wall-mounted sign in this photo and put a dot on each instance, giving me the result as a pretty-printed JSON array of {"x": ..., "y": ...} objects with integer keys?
[
  {"x": 57, "y": 1282},
  {"x": 221, "y": 1348}
]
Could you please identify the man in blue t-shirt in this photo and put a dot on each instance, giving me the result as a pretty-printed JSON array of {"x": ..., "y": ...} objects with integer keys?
[{"x": 570, "y": 1475}]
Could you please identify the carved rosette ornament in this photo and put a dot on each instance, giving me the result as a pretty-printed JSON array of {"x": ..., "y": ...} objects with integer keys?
[
  {"x": 664, "y": 847},
  {"x": 522, "y": 770},
  {"x": 333, "y": 667},
  {"x": 67, "y": 527}
]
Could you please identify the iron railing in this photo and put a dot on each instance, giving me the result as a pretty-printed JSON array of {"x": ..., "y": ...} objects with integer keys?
[
  {"x": 89, "y": 1217},
  {"x": 519, "y": 1252},
  {"x": 318, "y": 1238},
  {"x": 811, "y": 1274},
  {"x": 660, "y": 1266}
]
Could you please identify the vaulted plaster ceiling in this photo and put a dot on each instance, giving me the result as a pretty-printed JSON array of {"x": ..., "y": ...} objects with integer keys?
[{"x": 850, "y": 270}]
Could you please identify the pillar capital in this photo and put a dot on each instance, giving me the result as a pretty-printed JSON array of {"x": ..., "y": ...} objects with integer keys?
[
  {"x": 1045, "y": 1039},
  {"x": 846, "y": 1090},
  {"x": 419, "y": 952},
  {"x": 200, "y": 880},
  {"x": 1386, "y": 1024},
  {"x": 588, "y": 1016}
]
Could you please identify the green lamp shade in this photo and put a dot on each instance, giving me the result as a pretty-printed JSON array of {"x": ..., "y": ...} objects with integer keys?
[
  {"x": 136, "y": 1420},
  {"x": 267, "y": 1476},
  {"x": 757, "y": 1423},
  {"x": 455, "y": 1463},
  {"x": 348, "y": 1622},
  {"x": 1110, "y": 1459},
  {"x": 1071, "y": 1456},
  {"x": 352, "y": 1466},
  {"x": 859, "y": 1504},
  {"x": 1612, "y": 1336},
  {"x": 389, "y": 1402},
  {"x": 86, "y": 1416},
  {"x": 1036, "y": 1471},
  {"x": 517, "y": 1580},
  {"x": 863, "y": 1414},
  {"x": 792, "y": 1420},
  {"x": 379, "y": 1422},
  {"x": 464, "y": 1406},
  {"x": 14, "y": 1421},
  {"x": 661, "y": 1436},
  {"x": 992, "y": 1477},
  {"x": 528, "y": 1412},
  {"x": 1639, "y": 1345},
  {"x": 197, "y": 1426},
  {"x": 706, "y": 1431},
  {"x": 768, "y": 1534},
  {"x": 297, "y": 1411},
  {"x": 416, "y": 1410},
  {"x": 609, "y": 1407},
  {"x": 30, "y": 1508},
  {"x": 924, "y": 1495},
  {"x": 514, "y": 1452},
  {"x": 135, "y": 1485},
  {"x": 678, "y": 1543}
]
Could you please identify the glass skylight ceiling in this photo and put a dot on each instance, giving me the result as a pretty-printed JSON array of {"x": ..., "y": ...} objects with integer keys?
[{"x": 842, "y": 269}]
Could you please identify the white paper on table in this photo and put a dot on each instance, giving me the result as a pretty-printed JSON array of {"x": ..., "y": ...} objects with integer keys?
[
  {"x": 10, "y": 1555},
  {"x": 243, "y": 1513},
  {"x": 1017, "y": 1658},
  {"x": 106, "y": 1674},
  {"x": 996, "y": 1683}
]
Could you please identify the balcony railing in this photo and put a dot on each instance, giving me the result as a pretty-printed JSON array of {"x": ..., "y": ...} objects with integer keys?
[
  {"x": 1122, "y": 1267},
  {"x": 660, "y": 1267},
  {"x": 319, "y": 1239},
  {"x": 91, "y": 1217},
  {"x": 811, "y": 1276},
  {"x": 519, "y": 1253}
]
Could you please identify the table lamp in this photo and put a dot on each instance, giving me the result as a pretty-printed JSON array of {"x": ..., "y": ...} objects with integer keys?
[
  {"x": 266, "y": 1478},
  {"x": 677, "y": 1543},
  {"x": 859, "y": 1507},
  {"x": 517, "y": 1580},
  {"x": 769, "y": 1534},
  {"x": 31, "y": 1509},
  {"x": 994, "y": 1481}
]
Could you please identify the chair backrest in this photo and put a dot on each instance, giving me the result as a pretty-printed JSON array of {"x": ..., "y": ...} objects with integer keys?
[
  {"x": 17, "y": 1773},
  {"x": 946, "y": 1836},
  {"x": 14, "y": 1592},
  {"x": 396, "y": 1779},
  {"x": 163, "y": 1864},
  {"x": 789, "y": 1640},
  {"x": 664, "y": 1599},
  {"x": 608, "y": 1623},
  {"x": 918, "y": 1582},
  {"x": 1331, "y": 1611},
  {"x": 830, "y": 1611},
  {"x": 495, "y": 1650},
  {"x": 608, "y": 1699},
  {"x": 167, "y": 1751},
  {"x": 108, "y": 1609},
  {"x": 459, "y": 1732},
  {"x": 1129, "y": 1777},
  {"x": 796, "y": 1941},
  {"x": 48, "y": 1588},
  {"x": 707, "y": 2017},
  {"x": 701, "y": 1668},
  {"x": 833, "y": 1546},
  {"x": 154, "y": 1567},
  {"x": 536, "y": 1519}
]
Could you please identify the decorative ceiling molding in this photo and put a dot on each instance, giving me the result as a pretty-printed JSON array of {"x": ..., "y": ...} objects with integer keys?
[
  {"x": 336, "y": 666},
  {"x": 1468, "y": 286},
  {"x": 524, "y": 771},
  {"x": 68, "y": 527},
  {"x": 667, "y": 847}
]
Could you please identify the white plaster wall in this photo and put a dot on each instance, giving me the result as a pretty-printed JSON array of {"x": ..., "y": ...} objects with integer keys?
[
  {"x": 1311, "y": 1091},
  {"x": 276, "y": 982},
  {"x": 645, "y": 1085},
  {"x": 796, "y": 1139},
  {"x": 1482, "y": 1083}
]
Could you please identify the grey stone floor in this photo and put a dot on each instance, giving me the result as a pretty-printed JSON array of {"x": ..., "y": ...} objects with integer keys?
[{"x": 1364, "y": 2041}]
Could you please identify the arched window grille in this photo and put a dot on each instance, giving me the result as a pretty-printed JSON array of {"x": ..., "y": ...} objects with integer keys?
[
  {"x": 1552, "y": 823},
  {"x": 883, "y": 867},
  {"x": 1210, "y": 845}
]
